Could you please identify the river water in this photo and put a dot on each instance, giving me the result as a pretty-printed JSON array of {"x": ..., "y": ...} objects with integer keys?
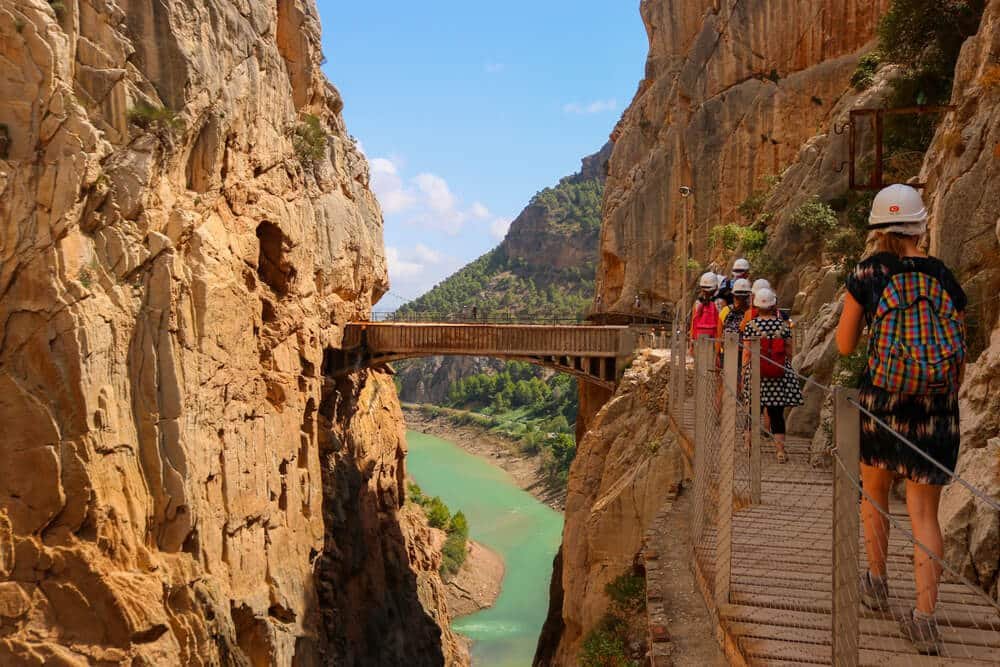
[{"x": 511, "y": 522}]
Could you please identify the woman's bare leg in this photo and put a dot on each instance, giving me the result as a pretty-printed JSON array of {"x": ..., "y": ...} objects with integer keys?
[
  {"x": 877, "y": 483},
  {"x": 922, "y": 502}
]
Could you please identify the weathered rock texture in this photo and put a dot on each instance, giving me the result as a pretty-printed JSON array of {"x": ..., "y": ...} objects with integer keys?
[
  {"x": 732, "y": 91},
  {"x": 173, "y": 264},
  {"x": 627, "y": 465},
  {"x": 962, "y": 169}
]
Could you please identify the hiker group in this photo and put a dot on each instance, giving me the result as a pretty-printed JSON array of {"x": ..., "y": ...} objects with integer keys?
[
  {"x": 735, "y": 305},
  {"x": 913, "y": 309}
]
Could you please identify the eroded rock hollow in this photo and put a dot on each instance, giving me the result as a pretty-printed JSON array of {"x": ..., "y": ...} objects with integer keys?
[{"x": 185, "y": 225}]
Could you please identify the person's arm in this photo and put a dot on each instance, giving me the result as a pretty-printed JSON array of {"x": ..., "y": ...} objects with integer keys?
[{"x": 850, "y": 326}]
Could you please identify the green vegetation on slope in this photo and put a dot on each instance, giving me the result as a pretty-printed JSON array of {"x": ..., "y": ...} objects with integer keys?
[
  {"x": 497, "y": 283},
  {"x": 608, "y": 643},
  {"x": 454, "y": 551},
  {"x": 534, "y": 408},
  {"x": 537, "y": 413}
]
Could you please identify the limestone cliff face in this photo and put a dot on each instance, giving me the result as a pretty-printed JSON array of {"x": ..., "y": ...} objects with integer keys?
[
  {"x": 184, "y": 226},
  {"x": 627, "y": 465},
  {"x": 731, "y": 92},
  {"x": 962, "y": 169}
]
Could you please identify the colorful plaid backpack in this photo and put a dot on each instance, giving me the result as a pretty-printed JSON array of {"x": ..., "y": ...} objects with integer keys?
[{"x": 917, "y": 343}]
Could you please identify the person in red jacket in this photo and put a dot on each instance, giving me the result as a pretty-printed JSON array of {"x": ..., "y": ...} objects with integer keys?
[{"x": 705, "y": 314}]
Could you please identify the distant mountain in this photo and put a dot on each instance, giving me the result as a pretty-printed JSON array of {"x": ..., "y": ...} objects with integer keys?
[{"x": 544, "y": 268}]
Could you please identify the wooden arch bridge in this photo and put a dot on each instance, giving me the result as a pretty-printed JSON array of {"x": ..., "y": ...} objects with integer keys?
[{"x": 594, "y": 353}]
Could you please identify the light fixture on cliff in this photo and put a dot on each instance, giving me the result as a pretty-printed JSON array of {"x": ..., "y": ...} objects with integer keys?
[{"x": 686, "y": 191}]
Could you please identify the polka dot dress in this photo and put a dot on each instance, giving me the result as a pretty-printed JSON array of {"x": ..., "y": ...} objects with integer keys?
[{"x": 774, "y": 392}]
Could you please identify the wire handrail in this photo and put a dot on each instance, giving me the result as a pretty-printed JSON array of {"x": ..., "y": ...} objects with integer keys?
[{"x": 782, "y": 578}]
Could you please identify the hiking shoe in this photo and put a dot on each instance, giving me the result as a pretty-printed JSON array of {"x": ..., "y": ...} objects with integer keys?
[
  {"x": 874, "y": 592},
  {"x": 923, "y": 633}
]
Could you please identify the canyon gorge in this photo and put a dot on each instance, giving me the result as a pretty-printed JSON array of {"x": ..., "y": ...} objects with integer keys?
[{"x": 186, "y": 226}]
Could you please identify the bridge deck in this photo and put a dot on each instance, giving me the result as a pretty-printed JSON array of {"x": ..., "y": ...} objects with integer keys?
[
  {"x": 596, "y": 354},
  {"x": 780, "y": 596}
]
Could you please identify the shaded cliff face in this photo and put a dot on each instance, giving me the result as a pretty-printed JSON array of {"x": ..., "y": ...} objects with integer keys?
[
  {"x": 184, "y": 226},
  {"x": 628, "y": 464},
  {"x": 962, "y": 170},
  {"x": 731, "y": 92}
]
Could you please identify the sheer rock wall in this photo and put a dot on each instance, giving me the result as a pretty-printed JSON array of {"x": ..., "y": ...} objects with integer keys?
[
  {"x": 173, "y": 264},
  {"x": 731, "y": 92}
]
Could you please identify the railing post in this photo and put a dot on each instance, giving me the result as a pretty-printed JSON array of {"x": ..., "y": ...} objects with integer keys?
[
  {"x": 755, "y": 456},
  {"x": 729, "y": 438},
  {"x": 700, "y": 440},
  {"x": 846, "y": 524}
]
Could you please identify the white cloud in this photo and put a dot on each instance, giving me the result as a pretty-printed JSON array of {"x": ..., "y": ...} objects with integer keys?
[
  {"x": 388, "y": 186},
  {"x": 499, "y": 227},
  {"x": 437, "y": 194},
  {"x": 399, "y": 268},
  {"x": 494, "y": 68},
  {"x": 414, "y": 271},
  {"x": 597, "y": 106},
  {"x": 426, "y": 200},
  {"x": 427, "y": 255},
  {"x": 479, "y": 211}
]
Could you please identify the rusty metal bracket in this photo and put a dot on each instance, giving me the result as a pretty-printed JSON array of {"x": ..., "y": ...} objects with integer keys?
[
  {"x": 840, "y": 129},
  {"x": 842, "y": 167},
  {"x": 875, "y": 181}
]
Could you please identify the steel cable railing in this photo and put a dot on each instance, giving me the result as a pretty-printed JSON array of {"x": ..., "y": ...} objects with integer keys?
[{"x": 791, "y": 552}]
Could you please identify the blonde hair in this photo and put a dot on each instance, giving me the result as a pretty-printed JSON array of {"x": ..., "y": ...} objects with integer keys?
[{"x": 894, "y": 243}]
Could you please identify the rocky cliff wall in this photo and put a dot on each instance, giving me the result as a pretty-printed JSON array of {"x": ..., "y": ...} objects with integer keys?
[
  {"x": 184, "y": 226},
  {"x": 962, "y": 170},
  {"x": 735, "y": 92},
  {"x": 627, "y": 465},
  {"x": 731, "y": 92}
]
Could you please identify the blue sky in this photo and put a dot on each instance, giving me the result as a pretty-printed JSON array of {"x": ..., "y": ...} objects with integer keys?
[{"x": 466, "y": 109}]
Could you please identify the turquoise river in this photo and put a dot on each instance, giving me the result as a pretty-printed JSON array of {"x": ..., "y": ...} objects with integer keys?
[{"x": 509, "y": 521}]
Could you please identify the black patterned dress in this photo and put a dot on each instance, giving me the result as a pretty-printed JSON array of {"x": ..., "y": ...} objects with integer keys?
[
  {"x": 930, "y": 421},
  {"x": 782, "y": 392}
]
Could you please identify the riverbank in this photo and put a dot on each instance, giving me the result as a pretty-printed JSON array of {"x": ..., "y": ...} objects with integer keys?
[
  {"x": 478, "y": 582},
  {"x": 525, "y": 470}
]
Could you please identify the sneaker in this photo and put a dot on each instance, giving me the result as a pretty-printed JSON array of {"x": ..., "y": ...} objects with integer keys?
[
  {"x": 874, "y": 592},
  {"x": 923, "y": 633}
]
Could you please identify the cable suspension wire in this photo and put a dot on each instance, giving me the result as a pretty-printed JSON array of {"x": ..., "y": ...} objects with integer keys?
[
  {"x": 951, "y": 473},
  {"x": 969, "y": 487},
  {"x": 912, "y": 538}
]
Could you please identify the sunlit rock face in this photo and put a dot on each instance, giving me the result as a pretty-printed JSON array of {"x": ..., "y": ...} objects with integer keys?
[
  {"x": 732, "y": 91},
  {"x": 962, "y": 170},
  {"x": 185, "y": 225}
]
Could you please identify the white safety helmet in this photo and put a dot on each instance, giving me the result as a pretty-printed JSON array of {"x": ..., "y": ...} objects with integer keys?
[
  {"x": 765, "y": 298},
  {"x": 759, "y": 284},
  {"x": 742, "y": 287},
  {"x": 709, "y": 281},
  {"x": 741, "y": 265},
  {"x": 899, "y": 209}
]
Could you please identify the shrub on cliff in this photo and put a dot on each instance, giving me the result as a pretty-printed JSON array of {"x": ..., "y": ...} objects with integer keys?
[
  {"x": 151, "y": 117},
  {"x": 309, "y": 139}
]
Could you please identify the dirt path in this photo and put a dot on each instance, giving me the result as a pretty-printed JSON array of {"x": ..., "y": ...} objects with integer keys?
[
  {"x": 682, "y": 632},
  {"x": 526, "y": 470}
]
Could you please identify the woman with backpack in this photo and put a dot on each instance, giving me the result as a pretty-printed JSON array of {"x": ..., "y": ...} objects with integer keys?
[
  {"x": 913, "y": 307},
  {"x": 705, "y": 314},
  {"x": 779, "y": 388}
]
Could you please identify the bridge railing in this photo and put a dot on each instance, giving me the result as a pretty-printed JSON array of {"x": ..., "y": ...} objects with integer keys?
[
  {"x": 486, "y": 316},
  {"x": 786, "y": 538}
]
